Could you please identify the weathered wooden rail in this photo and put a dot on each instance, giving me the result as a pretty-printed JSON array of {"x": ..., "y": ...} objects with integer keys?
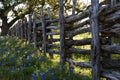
[{"x": 102, "y": 23}]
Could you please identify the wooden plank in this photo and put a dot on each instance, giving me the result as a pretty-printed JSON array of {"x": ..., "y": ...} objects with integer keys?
[
  {"x": 111, "y": 48},
  {"x": 62, "y": 37},
  {"x": 38, "y": 28},
  {"x": 25, "y": 28},
  {"x": 95, "y": 44},
  {"x": 111, "y": 64},
  {"x": 52, "y": 27},
  {"x": 22, "y": 30},
  {"x": 78, "y": 31},
  {"x": 80, "y": 64},
  {"x": 113, "y": 3},
  {"x": 78, "y": 51},
  {"x": 81, "y": 24},
  {"x": 112, "y": 32},
  {"x": 77, "y": 17},
  {"x": 78, "y": 42},
  {"x": 48, "y": 10},
  {"x": 34, "y": 31},
  {"x": 29, "y": 29},
  {"x": 54, "y": 40},
  {"x": 110, "y": 74},
  {"x": 53, "y": 45},
  {"x": 53, "y": 51},
  {"x": 112, "y": 18},
  {"x": 43, "y": 31},
  {"x": 74, "y": 7},
  {"x": 53, "y": 33},
  {"x": 52, "y": 21}
]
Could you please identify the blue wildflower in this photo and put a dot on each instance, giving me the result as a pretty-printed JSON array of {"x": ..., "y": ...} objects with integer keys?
[
  {"x": 53, "y": 76},
  {"x": 29, "y": 58},
  {"x": 39, "y": 74},
  {"x": 22, "y": 65},
  {"x": 43, "y": 76},
  {"x": 71, "y": 69},
  {"x": 12, "y": 69},
  {"x": 0, "y": 63},
  {"x": 50, "y": 70},
  {"x": 38, "y": 59},
  {"x": 33, "y": 77}
]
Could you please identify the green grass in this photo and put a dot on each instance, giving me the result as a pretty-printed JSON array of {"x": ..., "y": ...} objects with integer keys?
[{"x": 19, "y": 61}]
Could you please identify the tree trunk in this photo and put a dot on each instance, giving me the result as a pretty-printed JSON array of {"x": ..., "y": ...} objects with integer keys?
[{"x": 5, "y": 26}]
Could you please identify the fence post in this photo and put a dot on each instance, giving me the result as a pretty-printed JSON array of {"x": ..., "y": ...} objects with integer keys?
[
  {"x": 22, "y": 30},
  {"x": 43, "y": 30},
  {"x": 25, "y": 28},
  {"x": 74, "y": 7},
  {"x": 113, "y": 2},
  {"x": 62, "y": 37},
  {"x": 49, "y": 30},
  {"x": 34, "y": 31},
  {"x": 95, "y": 45},
  {"x": 29, "y": 28}
]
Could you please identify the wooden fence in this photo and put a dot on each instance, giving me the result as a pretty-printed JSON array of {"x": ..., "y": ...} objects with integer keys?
[{"x": 101, "y": 21}]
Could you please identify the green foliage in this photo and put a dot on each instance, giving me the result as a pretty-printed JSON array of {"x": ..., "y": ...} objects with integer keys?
[{"x": 18, "y": 61}]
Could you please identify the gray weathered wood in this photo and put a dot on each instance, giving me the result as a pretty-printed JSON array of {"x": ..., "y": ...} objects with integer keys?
[
  {"x": 43, "y": 30},
  {"x": 95, "y": 45},
  {"x": 62, "y": 37},
  {"x": 48, "y": 10},
  {"x": 77, "y": 17},
  {"x": 22, "y": 30},
  {"x": 34, "y": 32},
  {"x": 111, "y": 48},
  {"x": 74, "y": 7},
  {"x": 52, "y": 33},
  {"x": 113, "y": 3},
  {"x": 25, "y": 28},
  {"x": 78, "y": 42},
  {"x": 112, "y": 17},
  {"x": 29, "y": 28},
  {"x": 51, "y": 51},
  {"x": 81, "y": 24},
  {"x": 53, "y": 45},
  {"x": 111, "y": 64},
  {"x": 52, "y": 27},
  {"x": 80, "y": 64},
  {"x": 78, "y": 31},
  {"x": 110, "y": 74},
  {"x": 78, "y": 51}
]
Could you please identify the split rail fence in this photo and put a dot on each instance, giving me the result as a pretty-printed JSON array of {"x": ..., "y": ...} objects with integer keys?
[{"x": 101, "y": 20}]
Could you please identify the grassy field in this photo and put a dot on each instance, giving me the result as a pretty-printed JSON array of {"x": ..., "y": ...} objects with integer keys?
[{"x": 18, "y": 61}]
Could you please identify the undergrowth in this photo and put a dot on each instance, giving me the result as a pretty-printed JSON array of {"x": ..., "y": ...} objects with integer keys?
[{"x": 19, "y": 61}]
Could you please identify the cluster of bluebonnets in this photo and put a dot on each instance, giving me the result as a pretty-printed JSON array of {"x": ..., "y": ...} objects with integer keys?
[{"x": 19, "y": 62}]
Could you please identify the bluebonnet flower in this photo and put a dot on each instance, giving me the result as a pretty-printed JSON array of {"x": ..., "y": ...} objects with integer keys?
[
  {"x": 29, "y": 64},
  {"x": 12, "y": 69},
  {"x": 38, "y": 59},
  {"x": 50, "y": 70},
  {"x": 18, "y": 69},
  {"x": 0, "y": 63},
  {"x": 33, "y": 77},
  {"x": 39, "y": 74},
  {"x": 53, "y": 76},
  {"x": 22, "y": 65},
  {"x": 29, "y": 58},
  {"x": 43, "y": 76},
  {"x": 71, "y": 69}
]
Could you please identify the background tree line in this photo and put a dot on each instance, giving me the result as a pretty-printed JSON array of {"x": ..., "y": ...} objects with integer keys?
[{"x": 29, "y": 6}]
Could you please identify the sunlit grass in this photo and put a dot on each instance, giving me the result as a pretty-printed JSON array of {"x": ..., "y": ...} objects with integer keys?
[{"x": 19, "y": 52}]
